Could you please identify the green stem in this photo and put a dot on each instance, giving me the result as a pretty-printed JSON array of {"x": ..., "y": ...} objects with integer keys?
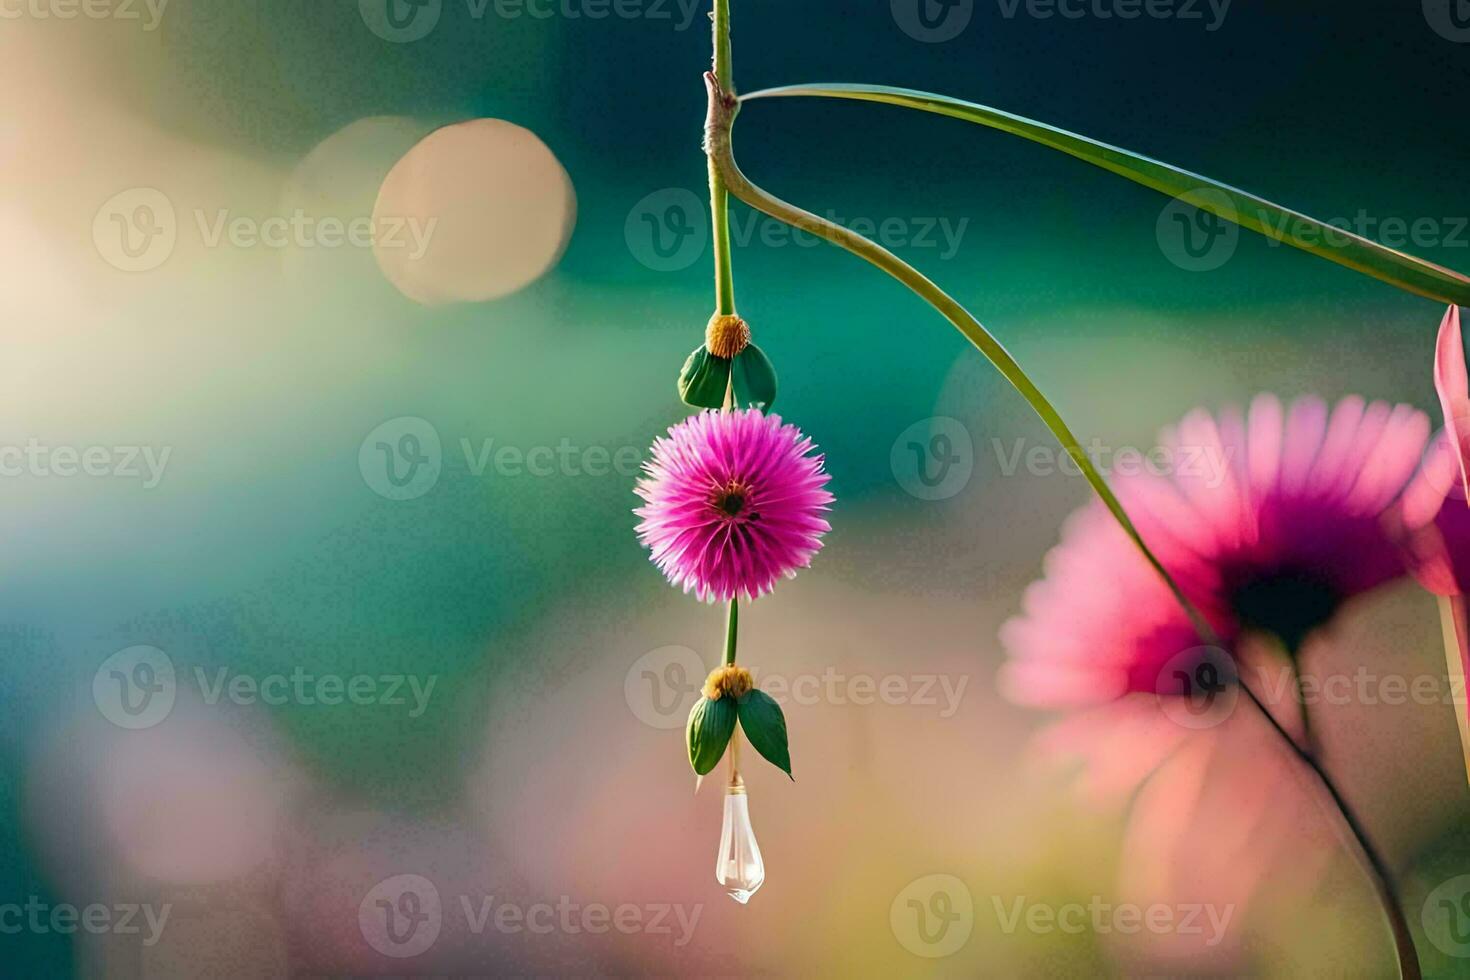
[
  {"x": 719, "y": 197},
  {"x": 1309, "y": 739},
  {"x": 719, "y": 200},
  {"x": 732, "y": 632},
  {"x": 718, "y": 142}
]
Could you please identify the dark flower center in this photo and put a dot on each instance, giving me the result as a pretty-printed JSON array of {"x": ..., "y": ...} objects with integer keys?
[
  {"x": 733, "y": 500},
  {"x": 1289, "y": 603}
]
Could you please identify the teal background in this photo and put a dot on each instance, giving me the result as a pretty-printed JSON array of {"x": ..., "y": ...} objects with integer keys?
[{"x": 264, "y": 549}]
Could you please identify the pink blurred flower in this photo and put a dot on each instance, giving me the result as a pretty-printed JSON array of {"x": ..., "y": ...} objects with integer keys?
[
  {"x": 1269, "y": 523},
  {"x": 734, "y": 501}
]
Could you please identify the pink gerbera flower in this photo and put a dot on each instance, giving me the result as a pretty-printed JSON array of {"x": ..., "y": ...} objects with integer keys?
[
  {"x": 1270, "y": 522},
  {"x": 734, "y": 501}
]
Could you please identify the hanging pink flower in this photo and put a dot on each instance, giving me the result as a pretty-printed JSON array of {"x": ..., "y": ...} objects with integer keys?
[{"x": 733, "y": 502}]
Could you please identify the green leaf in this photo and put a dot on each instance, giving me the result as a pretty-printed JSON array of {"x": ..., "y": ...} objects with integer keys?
[
  {"x": 765, "y": 726},
  {"x": 711, "y": 723},
  {"x": 1247, "y": 210},
  {"x": 704, "y": 379},
  {"x": 754, "y": 379}
]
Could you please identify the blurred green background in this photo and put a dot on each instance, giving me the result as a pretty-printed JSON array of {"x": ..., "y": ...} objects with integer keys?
[{"x": 265, "y": 548}]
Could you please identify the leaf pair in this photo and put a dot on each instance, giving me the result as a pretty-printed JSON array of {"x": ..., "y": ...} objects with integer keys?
[
  {"x": 712, "y": 723},
  {"x": 705, "y": 379}
]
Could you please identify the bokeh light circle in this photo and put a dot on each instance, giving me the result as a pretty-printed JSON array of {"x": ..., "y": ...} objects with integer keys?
[{"x": 474, "y": 212}]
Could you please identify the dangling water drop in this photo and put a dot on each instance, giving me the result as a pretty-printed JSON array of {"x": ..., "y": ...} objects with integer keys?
[{"x": 739, "y": 866}]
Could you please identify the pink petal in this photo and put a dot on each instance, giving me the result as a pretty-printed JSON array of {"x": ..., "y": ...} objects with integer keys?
[{"x": 1454, "y": 388}]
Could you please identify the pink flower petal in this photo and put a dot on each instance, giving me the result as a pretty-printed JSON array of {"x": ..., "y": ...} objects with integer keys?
[{"x": 1454, "y": 388}]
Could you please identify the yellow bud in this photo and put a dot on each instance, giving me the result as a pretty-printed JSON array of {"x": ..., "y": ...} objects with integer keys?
[
  {"x": 734, "y": 681},
  {"x": 726, "y": 336}
]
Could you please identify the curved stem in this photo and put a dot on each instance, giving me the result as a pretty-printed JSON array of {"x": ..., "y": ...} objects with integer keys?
[
  {"x": 718, "y": 143},
  {"x": 1372, "y": 863},
  {"x": 1325, "y": 240},
  {"x": 723, "y": 108}
]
